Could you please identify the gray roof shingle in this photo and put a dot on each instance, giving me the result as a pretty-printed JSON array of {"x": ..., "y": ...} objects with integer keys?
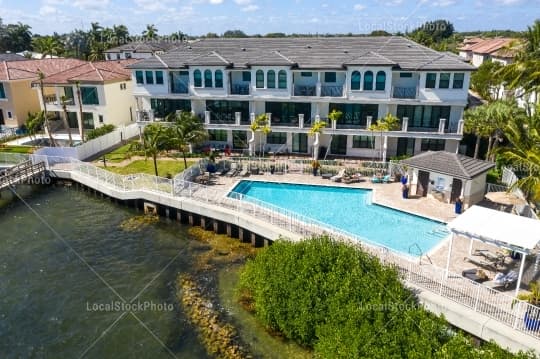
[
  {"x": 448, "y": 163},
  {"x": 9, "y": 56},
  {"x": 313, "y": 53}
]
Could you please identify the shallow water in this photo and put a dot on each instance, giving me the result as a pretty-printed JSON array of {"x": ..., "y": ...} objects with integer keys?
[{"x": 56, "y": 282}]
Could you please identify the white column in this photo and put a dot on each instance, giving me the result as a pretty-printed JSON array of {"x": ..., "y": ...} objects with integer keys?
[
  {"x": 523, "y": 255},
  {"x": 207, "y": 117},
  {"x": 442, "y": 123},
  {"x": 449, "y": 255},
  {"x": 301, "y": 120},
  {"x": 385, "y": 147},
  {"x": 405, "y": 124},
  {"x": 237, "y": 118},
  {"x": 369, "y": 119}
]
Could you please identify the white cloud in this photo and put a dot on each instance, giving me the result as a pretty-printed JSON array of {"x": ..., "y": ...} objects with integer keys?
[
  {"x": 47, "y": 10},
  {"x": 508, "y": 2},
  {"x": 242, "y": 2},
  {"x": 152, "y": 5},
  {"x": 443, "y": 3},
  {"x": 250, "y": 8},
  {"x": 216, "y": 2},
  {"x": 91, "y": 4},
  {"x": 359, "y": 7}
]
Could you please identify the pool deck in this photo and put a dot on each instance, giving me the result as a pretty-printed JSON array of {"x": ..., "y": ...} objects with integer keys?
[{"x": 389, "y": 194}]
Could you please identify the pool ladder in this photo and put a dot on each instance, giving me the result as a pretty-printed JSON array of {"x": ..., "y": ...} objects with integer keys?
[{"x": 419, "y": 252}]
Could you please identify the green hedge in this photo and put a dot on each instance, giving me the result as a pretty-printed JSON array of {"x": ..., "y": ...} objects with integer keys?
[
  {"x": 344, "y": 303},
  {"x": 98, "y": 132}
]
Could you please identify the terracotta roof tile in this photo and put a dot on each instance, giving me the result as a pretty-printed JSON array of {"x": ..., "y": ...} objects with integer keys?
[
  {"x": 19, "y": 70},
  {"x": 100, "y": 71},
  {"x": 489, "y": 46}
]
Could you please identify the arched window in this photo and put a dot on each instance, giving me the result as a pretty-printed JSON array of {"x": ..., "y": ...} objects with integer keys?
[
  {"x": 271, "y": 79},
  {"x": 197, "y": 79},
  {"x": 380, "y": 81},
  {"x": 355, "y": 80},
  {"x": 207, "y": 78},
  {"x": 282, "y": 79},
  {"x": 218, "y": 79},
  {"x": 368, "y": 81},
  {"x": 259, "y": 79}
]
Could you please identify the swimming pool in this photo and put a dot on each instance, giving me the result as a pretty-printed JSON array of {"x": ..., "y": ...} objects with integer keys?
[{"x": 351, "y": 210}]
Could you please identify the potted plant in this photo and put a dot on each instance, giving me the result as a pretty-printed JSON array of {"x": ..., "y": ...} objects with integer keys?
[
  {"x": 532, "y": 317},
  {"x": 315, "y": 165}
]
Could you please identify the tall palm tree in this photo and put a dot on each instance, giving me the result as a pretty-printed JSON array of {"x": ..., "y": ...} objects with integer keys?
[
  {"x": 64, "y": 101},
  {"x": 523, "y": 152},
  {"x": 41, "y": 76},
  {"x": 385, "y": 124},
  {"x": 150, "y": 32},
  {"x": 80, "y": 117},
  {"x": 34, "y": 122},
  {"x": 474, "y": 118},
  {"x": 187, "y": 131},
  {"x": 121, "y": 34},
  {"x": 47, "y": 46},
  {"x": 154, "y": 141}
]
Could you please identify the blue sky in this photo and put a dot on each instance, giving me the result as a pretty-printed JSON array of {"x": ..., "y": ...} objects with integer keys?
[{"x": 262, "y": 16}]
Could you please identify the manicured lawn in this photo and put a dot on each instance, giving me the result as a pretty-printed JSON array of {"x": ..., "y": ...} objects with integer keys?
[
  {"x": 119, "y": 154},
  {"x": 16, "y": 149},
  {"x": 142, "y": 166}
]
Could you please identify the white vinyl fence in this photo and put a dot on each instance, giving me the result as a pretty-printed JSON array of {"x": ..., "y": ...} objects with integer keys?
[{"x": 93, "y": 147}]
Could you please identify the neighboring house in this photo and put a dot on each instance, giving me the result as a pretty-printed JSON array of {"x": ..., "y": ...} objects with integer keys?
[
  {"x": 9, "y": 56},
  {"x": 448, "y": 176},
  {"x": 17, "y": 97},
  {"x": 105, "y": 89},
  {"x": 487, "y": 49},
  {"x": 300, "y": 80},
  {"x": 36, "y": 55},
  {"x": 140, "y": 49}
]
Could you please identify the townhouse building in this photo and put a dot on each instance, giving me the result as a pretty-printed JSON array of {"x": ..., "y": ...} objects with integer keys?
[
  {"x": 17, "y": 98},
  {"x": 298, "y": 81},
  {"x": 105, "y": 94}
]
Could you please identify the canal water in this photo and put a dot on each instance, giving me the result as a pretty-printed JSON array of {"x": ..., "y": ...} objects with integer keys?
[{"x": 69, "y": 281}]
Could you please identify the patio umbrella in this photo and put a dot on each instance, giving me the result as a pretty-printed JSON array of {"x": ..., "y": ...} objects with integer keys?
[{"x": 505, "y": 198}]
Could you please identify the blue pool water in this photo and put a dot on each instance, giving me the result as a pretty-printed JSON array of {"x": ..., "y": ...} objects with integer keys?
[{"x": 350, "y": 209}]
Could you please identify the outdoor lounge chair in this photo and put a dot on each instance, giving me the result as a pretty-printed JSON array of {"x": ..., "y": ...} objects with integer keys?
[
  {"x": 339, "y": 176},
  {"x": 244, "y": 173},
  {"x": 503, "y": 280},
  {"x": 380, "y": 179},
  {"x": 352, "y": 179},
  {"x": 233, "y": 171}
]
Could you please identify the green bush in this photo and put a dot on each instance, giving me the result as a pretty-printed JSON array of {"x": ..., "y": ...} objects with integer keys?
[
  {"x": 98, "y": 132},
  {"x": 344, "y": 303}
]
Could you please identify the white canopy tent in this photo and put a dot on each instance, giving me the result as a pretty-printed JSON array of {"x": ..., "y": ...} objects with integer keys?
[{"x": 504, "y": 230}]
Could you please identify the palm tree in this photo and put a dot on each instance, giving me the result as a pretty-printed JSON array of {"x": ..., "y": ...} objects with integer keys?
[
  {"x": 385, "y": 124},
  {"x": 34, "y": 122},
  {"x": 80, "y": 117},
  {"x": 523, "y": 152},
  {"x": 150, "y": 32},
  {"x": 187, "y": 131},
  {"x": 64, "y": 100},
  {"x": 532, "y": 35},
  {"x": 41, "y": 76},
  {"x": 121, "y": 34},
  {"x": 261, "y": 125},
  {"x": 474, "y": 118},
  {"x": 316, "y": 130},
  {"x": 154, "y": 141},
  {"x": 47, "y": 45}
]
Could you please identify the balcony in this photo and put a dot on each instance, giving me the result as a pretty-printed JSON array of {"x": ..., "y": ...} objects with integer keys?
[
  {"x": 332, "y": 91},
  {"x": 305, "y": 90},
  {"x": 51, "y": 100},
  {"x": 239, "y": 89},
  {"x": 222, "y": 118},
  {"x": 404, "y": 92},
  {"x": 285, "y": 122}
]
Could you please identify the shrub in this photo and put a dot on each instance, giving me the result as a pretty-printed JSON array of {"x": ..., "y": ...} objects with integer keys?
[
  {"x": 98, "y": 132},
  {"x": 343, "y": 303}
]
